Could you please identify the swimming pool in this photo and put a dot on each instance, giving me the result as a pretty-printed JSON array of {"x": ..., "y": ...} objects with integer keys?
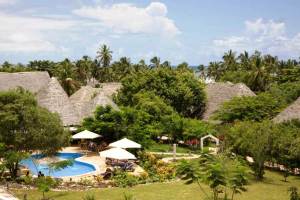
[{"x": 78, "y": 168}]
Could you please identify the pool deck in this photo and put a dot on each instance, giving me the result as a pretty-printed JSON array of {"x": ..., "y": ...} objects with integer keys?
[{"x": 92, "y": 158}]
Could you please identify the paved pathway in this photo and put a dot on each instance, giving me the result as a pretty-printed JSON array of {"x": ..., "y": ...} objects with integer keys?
[
  {"x": 179, "y": 156},
  {"x": 4, "y": 195}
]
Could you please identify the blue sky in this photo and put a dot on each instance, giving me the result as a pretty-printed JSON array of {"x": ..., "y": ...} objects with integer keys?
[{"x": 195, "y": 31}]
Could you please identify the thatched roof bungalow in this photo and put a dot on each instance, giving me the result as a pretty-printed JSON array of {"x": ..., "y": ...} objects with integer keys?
[
  {"x": 87, "y": 98},
  {"x": 218, "y": 93},
  {"x": 54, "y": 98},
  {"x": 48, "y": 91},
  {"x": 32, "y": 81},
  {"x": 290, "y": 113}
]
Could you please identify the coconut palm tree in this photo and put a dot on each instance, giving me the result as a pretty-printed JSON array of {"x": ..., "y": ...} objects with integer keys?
[
  {"x": 155, "y": 62},
  {"x": 104, "y": 56},
  {"x": 215, "y": 70},
  {"x": 244, "y": 60},
  {"x": 65, "y": 74},
  {"x": 259, "y": 76},
  {"x": 121, "y": 68},
  {"x": 166, "y": 64},
  {"x": 84, "y": 69},
  {"x": 201, "y": 71},
  {"x": 229, "y": 61}
]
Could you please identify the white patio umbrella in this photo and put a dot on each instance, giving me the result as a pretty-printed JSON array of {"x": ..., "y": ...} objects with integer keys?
[
  {"x": 125, "y": 144},
  {"x": 117, "y": 153},
  {"x": 85, "y": 135}
]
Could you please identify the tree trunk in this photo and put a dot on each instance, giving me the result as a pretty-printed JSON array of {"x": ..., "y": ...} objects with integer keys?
[{"x": 232, "y": 194}]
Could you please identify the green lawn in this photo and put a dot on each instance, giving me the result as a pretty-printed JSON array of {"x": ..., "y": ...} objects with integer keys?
[
  {"x": 167, "y": 148},
  {"x": 272, "y": 188}
]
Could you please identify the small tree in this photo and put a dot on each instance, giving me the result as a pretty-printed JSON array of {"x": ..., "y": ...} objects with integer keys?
[
  {"x": 238, "y": 180},
  {"x": 294, "y": 193},
  {"x": 220, "y": 173},
  {"x": 89, "y": 197},
  {"x": 254, "y": 139},
  {"x": 56, "y": 166},
  {"x": 215, "y": 177},
  {"x": 44, "y": 184},
  {"x": 26, "y": 127}
]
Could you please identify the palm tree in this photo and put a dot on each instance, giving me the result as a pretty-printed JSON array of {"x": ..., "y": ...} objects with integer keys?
[
  {"x": 121, "y": 68},
  {"x": 140, "y": 65},
  {"x": 84, "y": 69},
  {"x": 259, "y": 77},
  {"x": 229, "y": 61},
  {"x": 244, "y": 60},
  {"x": 155, "y": 62},
  {"x": 201, "y": 71},
  {"x": 215, "y": 70},
  {"x": 104, "y": 56},
  {"x": 166, "y": 64},
  {"x": 65, "y": 73}
]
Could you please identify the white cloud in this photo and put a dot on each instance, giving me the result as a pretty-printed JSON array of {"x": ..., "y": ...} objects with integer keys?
[
  {"x": 7, "y": 2},
  {"x": 268, "y": 28},
  {"x": 266, "y": 36},
  {"x": 29, "y": 34},
  {"x": 127, "y": 18}
]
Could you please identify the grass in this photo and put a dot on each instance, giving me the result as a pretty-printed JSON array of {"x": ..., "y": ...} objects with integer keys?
[
  {"x": 272, "y": 188},
  {"x": 167, "y": 148}
]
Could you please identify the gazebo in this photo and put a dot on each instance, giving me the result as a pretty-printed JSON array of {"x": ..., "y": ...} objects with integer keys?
[{"x": 211, "y": 137}]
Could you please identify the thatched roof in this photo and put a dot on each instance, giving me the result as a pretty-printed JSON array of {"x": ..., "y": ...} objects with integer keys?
[
  {"x": 109, "y": 89},
  {"x": 32, "y": 81},
  {"x": 54, "y": 98},
  {"x": 92, "y": 82},
  {"x": 218, "y": 93},
  {"x": 87, "y": 98},
  {"x": 48, "y": 91},
  {"x": 291, "y": 112}
]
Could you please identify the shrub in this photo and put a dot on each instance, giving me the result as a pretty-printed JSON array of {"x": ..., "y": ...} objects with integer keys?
[
  {"x": 128, "y": 196},
  {"x": 89, "y": 197},
  {"x": 44, "y": 185},
  {"x": 124, "y": 179},
  {"x": 157, "y": 169},
  {"x": 28, "y": 180},
  {"x": 85, "y": 181}
]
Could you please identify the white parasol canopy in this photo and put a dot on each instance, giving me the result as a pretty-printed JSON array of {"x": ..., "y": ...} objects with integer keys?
[
  {"x": 117, "y": 153},
  {"x": 85, "y": 135},
  {"x": 125, "y": 144}
]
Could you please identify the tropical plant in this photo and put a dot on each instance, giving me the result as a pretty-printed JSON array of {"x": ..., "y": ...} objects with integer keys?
[
  {"x": 59, "y": 165},
  {"x": 252, "y": 108},
  {"x": 219, "y": 173},
  {"x": 84, "y": 68},
  {"x": 128, "y": 196},
  {"x": 155, "y": 62},
  {"x": 25, "y": 127},
  {"x": 44, "y": 184},
  {"x": 294, "y": 193},
  {"x": 89, "y": 197},
  {"x": 180, "y": 89},
  {"x": 242, "y": 136},
  {"x": 104, "y": 56}
]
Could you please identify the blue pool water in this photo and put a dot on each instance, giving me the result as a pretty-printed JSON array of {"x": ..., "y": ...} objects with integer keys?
[{"x": 77, "y": 168}]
